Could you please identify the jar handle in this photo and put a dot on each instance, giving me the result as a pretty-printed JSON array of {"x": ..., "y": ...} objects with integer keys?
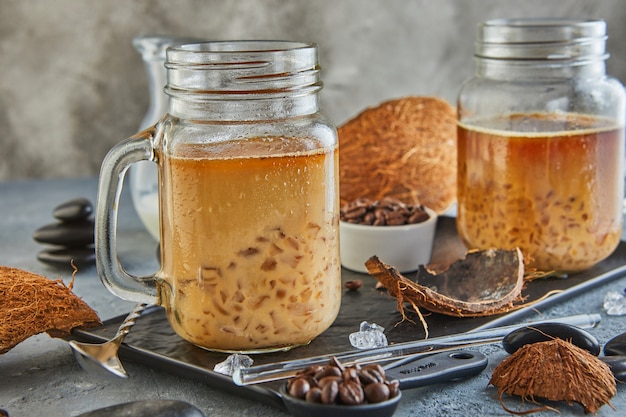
[{"x": 114, "y": 167}]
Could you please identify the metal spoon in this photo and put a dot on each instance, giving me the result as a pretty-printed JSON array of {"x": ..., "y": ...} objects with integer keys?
[
  {"x": 400, "y": 352},
  {"x": 101, "y": 358}
]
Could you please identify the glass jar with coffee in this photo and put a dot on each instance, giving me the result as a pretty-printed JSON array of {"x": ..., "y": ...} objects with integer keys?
[
  {"x": 541, "y": 144},
  {"x": 248, "y": 199}
]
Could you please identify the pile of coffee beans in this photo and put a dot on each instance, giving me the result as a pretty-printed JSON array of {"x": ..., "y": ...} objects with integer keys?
[
  {"x": 337, "y": 384},
  {"x": 71, "y": 237},
  {"x": 385, "y": 212}
]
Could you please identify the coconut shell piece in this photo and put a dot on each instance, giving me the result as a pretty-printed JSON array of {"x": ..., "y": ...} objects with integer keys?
[
  {"x": 403, "y": 148},
  {"x": 484, "y": 283},
  {"x": 555, "y": 370},
  {"x": 31, "y": 304}
]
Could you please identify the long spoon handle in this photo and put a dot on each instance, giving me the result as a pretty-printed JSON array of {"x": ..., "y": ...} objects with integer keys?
[{"x": 281, "y": 370}]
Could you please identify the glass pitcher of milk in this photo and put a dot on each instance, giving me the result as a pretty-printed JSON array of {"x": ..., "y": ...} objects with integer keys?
[{"x": 143, "y": 175}]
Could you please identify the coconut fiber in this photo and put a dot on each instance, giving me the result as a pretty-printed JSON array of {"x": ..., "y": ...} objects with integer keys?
[{"x": 31, "y": 304}]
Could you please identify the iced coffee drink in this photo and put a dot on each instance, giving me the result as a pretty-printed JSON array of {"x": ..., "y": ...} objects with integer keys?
[
  {"x": 249, "y": 249},
  {"x": 551, "y": 184}
]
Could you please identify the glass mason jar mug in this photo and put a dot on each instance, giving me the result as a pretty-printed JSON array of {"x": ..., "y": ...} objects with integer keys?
[
  {"x": 541, "y": 144},
  {"x": 248, "y": 199}
]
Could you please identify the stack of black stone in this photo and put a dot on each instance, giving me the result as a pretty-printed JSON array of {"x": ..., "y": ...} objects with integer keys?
[{"x": 72, "y": 237}]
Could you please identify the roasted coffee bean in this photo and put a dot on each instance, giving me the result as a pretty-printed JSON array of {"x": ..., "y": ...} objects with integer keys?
[
  {"x": 379, "y": 221},
  {"x": 616, "y": 346},
  {"x": 73, "y": 210},
  {"x": 366, "y": 378},
  {"x": 335, "y": 363},
  {"x": 355, "y": 213},
  {"x": 417, "y": 216},
  {"x": 330, "y": 392},
  {"x": 380, "y": 213},
  {"x": 328, "y": 371},
  {"x": 314, "y": 395},
  {"x": 542, "y": 332},
  {"x": 350, "y": 374},
  {"x": 353, "y": 285},
  {"x": 394, "y": 387},
  {"x": 376, "y": 367},
  {"x": 327, "y": 380},
  {"x": 377, "y": 392},
  {"x": 370, "y": 376},
  {"x": 299, "y": 387},
  {"x": 351, "y": 393},
  {"x": 395, "y": 218}
]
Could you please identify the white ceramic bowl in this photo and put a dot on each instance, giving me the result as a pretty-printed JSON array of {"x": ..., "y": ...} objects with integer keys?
[{"x": 404, "y": 247}]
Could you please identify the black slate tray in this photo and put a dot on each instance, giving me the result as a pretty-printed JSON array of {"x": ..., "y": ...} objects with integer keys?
[{"x": 153, "y": 343}]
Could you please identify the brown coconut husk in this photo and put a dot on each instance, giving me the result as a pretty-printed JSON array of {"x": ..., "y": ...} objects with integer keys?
[
  {"x": 404, "y": 149},
  {"x": 484, "y": 283},
  {"x": 555, "y": 370},
  {"x": 31, "y": 304}
]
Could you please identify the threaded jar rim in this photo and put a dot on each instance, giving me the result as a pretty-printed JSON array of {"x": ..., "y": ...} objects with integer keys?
[
  {"x": 552, "y": 39},
  {"x": 243, "y": 67}
]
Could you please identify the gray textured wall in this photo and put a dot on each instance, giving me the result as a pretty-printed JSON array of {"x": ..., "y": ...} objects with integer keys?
[{"x": 72, "y": 85}]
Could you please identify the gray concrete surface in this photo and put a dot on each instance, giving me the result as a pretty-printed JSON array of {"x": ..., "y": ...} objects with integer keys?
[
  {"x": 40, "y": 377},
  {"x": 71, "y": 84}
]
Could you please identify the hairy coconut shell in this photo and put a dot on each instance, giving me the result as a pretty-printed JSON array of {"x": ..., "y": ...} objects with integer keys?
[
  {"x": 555, "y": 370},
  {"x": 31, "y": 304},
  {"x": 403, "y": 148}
]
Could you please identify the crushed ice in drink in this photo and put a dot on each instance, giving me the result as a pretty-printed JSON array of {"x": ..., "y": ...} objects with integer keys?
[
  {"x": 370, "y": 335},
  {"x": 615, "y": 303},
  {"x": 232, "y": 363}
]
